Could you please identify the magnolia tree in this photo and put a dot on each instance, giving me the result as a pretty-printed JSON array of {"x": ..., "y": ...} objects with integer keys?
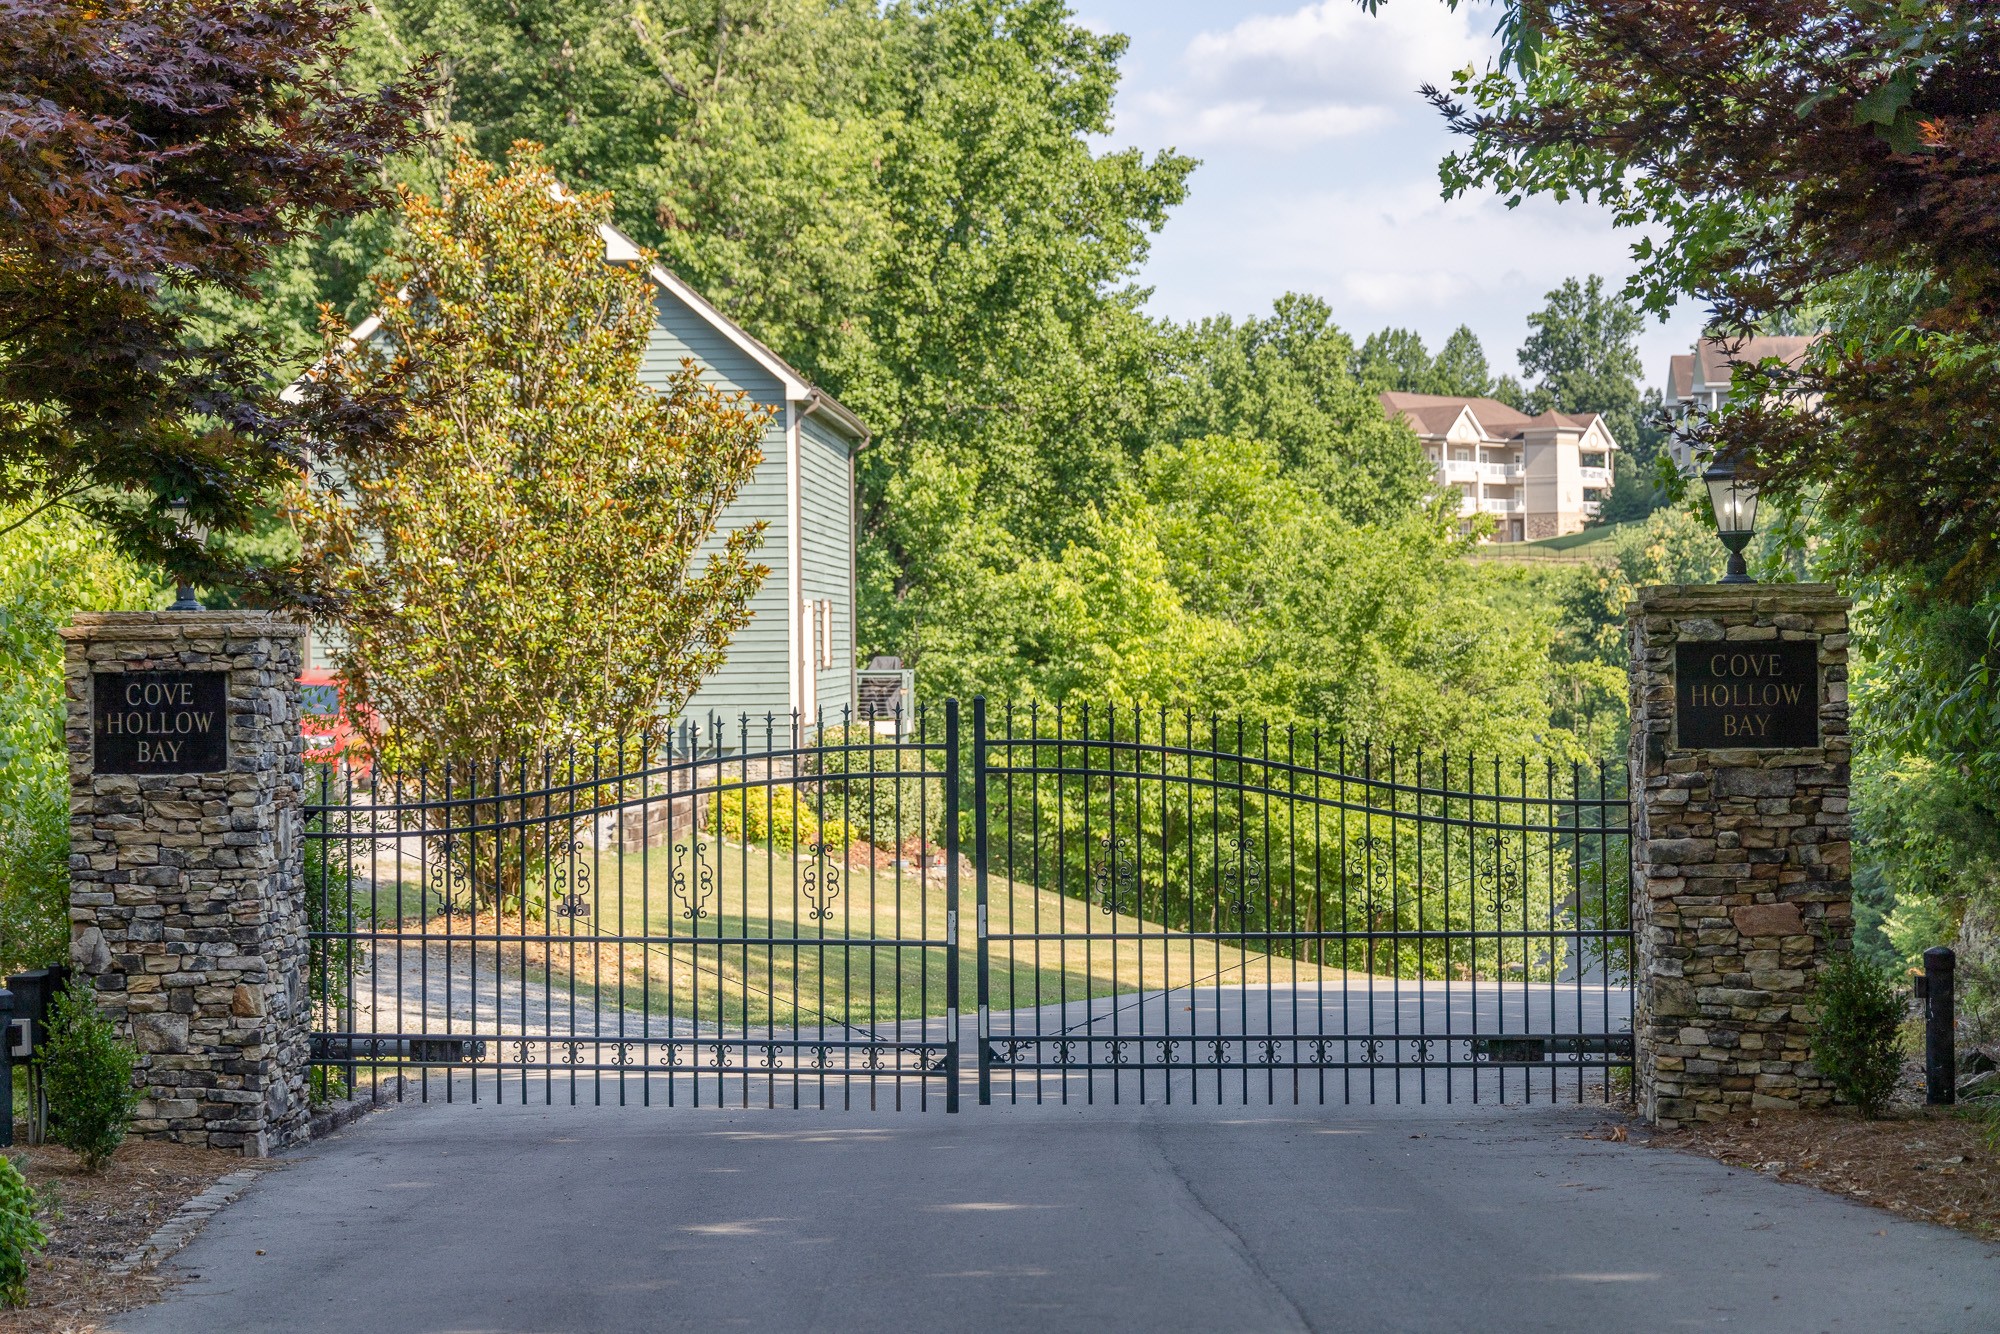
[{"x": 533, "y": 559}]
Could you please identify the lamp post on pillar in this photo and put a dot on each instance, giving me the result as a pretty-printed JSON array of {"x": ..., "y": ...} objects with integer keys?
[
  {"x": 194, "y": 530},
  {"x": 1735, "y": 502}
]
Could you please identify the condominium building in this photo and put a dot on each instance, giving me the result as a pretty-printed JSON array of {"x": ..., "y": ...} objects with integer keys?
[
  {"x": 1541, "y": 476},
  {"x": 1698, "y": 381}
]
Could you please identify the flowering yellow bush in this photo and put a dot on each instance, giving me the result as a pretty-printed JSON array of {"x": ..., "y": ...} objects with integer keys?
[{"x": 776, "y": 818}]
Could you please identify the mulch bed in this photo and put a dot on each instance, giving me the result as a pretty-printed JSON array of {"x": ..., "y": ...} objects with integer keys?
[
  {"x": 1931, "y": 1164},
  {"x": 97, "y": 1220}
]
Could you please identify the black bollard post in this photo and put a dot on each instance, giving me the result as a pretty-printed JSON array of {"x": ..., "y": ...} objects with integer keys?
[
  {"x": 1940, "y": 1019},
  {"x": 6, "y": 1068}
]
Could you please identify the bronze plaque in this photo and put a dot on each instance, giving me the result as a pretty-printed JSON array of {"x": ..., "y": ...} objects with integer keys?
[
  {"x": 160, "y": 722},
  {"x": 1747, "y": 696}
]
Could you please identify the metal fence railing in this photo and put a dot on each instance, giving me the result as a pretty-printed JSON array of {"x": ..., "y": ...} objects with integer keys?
[{"x": 1166, "y": 908}]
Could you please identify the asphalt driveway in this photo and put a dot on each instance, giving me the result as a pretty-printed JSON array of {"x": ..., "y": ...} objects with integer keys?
[{"x": 460, "y": 1218}]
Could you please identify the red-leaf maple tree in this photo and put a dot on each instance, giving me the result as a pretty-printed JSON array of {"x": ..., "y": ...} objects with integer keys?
[
  {"x": 1801, "y": 160},
  {"x": 149, "y": 150}
]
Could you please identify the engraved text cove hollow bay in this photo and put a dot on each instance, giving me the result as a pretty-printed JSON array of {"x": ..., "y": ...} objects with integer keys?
[
  {"x": 1759, "y": 695},
  {"x": 160, "y": 722}
]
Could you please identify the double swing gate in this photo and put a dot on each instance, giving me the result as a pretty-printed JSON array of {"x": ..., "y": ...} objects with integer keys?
[{"x": 1037, "y": 904}]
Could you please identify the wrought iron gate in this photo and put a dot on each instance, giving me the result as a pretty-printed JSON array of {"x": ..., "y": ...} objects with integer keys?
[{"x": 1167, "y": 908}]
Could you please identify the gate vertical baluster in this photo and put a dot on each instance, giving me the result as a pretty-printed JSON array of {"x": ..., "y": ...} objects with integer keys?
[
  {"x": 1319, "y": 918},
  {"x": 1369, "y": 888},
  {"x": 1395, "y": 926},
  {"x": 1293, "y": 938},
  {"x": 953, "y": 1067},
  {"x": 1108, "y": 870},
  {"x": 1346, "y": 942},
  {"x": 1423, "y": 942},
  {"x": 982, "y": 963},
  {"x": 1450, "y": 969}
]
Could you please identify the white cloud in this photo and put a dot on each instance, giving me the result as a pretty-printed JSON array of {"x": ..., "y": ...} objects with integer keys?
[{"x": 1321, "y": 72}]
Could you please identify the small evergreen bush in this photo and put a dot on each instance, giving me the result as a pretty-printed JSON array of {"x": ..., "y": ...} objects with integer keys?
[
  {"x": 87, "y": 1077},
  {"x": 1861, "y": 1010},
  {"x": 20, "y": 1235}
]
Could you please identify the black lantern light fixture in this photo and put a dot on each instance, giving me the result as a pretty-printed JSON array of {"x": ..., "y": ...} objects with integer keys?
[
  {"x": 1735, "y": 502},
  {"x": 177, "y": 509}
]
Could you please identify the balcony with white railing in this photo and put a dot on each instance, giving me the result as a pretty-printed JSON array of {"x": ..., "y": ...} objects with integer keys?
[
  {"x": 1466, "y": 470},
  {"x": 1595, "y": 476},
  {"x": 1493, "y": 506}
]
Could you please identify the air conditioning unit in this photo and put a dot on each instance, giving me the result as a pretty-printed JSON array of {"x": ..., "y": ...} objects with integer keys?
[{"x": 885, "y": 696}]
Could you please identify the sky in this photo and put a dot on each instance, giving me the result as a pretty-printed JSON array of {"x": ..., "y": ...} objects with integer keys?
[{"x": 1319, "y": 173}]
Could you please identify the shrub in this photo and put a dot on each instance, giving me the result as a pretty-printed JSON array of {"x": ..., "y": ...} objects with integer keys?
[
  {"x": 87, "y": 1077},
  {"x": 780, "y": 820},
  {"x": 20, "y": 1235},
  {"x": 34, "y": 873},
  {"x": 1861, "y": 1010},
  {"x": 870, "y": 782}
]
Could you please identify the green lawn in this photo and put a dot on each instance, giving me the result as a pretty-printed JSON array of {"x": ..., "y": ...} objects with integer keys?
[{"x": 734, "y": 940}]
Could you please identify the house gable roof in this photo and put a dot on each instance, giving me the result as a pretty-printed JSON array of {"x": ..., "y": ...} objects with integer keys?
[
  {"x": 621, "y": 249},
  {"x": 1714, "y": 357},
  {"x": 1433, "y": 416}
]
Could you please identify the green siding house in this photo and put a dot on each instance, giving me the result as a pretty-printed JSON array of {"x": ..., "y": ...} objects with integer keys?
[
  {"x": 796, "y": 657},
  {"x": 797, "y": 653}
]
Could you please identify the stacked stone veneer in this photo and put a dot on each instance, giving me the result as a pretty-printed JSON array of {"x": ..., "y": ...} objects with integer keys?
[
  {"x": 1741, "y": 863},
  {"x": 187, "y": 909}
]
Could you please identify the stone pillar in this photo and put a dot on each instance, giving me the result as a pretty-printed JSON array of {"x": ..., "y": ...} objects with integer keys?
[
  {"x": 187, "y": 904},
  {"x": 1741, "y": 853}
]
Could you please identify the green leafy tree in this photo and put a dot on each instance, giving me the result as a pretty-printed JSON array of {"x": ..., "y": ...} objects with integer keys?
[
  {"x": 154, "y": 152},
  {"x": 1395, "y": 359},
  {"x": 906, "y": 202},
  {"x": 1460, "y": 366},
  {"x": 1286, "y": 380},
  {"x": 520, "y": 566},
  {"x": 52, "y": 565},
  {"x": 1583, "y": 347}
]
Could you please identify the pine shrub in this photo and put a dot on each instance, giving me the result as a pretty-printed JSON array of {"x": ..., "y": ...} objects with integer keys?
[
  {"x": 87, "y": 1077},
  {"x": 1861, "y": 1011},
  {"x": 20, "y": 1235}
]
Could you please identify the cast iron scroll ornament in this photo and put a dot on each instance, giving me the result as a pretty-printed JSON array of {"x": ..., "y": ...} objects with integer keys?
[
  {"x": 1268, "y": 1050},
  {"x": 567, "y": 876},
  {"x": 1244, "y": 877},
  {"x": 1218, "y": 1052},
  {"x": 694, "y": 878},
  {"x": 1114, "y": 876},
  {"x": 773, "y": 1056},
  {"x": 1169, "y": 1049},
  {"x": 822, "y": 882}
]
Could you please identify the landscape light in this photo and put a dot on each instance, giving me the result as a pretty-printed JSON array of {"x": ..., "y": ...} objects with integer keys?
[
  {"x": 177, "y": 509},
  {"x": 1735, "y": 502}
]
